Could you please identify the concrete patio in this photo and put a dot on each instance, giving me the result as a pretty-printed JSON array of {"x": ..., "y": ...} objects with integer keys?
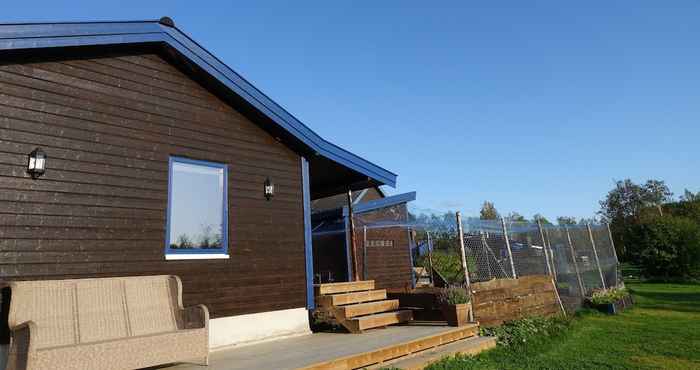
[{"x": 319, "y": 350}]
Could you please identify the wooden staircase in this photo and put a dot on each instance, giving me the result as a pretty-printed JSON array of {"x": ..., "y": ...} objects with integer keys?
[{"x": 357, "y": 306}]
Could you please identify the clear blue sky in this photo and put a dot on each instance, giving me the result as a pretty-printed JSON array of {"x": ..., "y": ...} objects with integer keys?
[{"x": 534, "y": 105}]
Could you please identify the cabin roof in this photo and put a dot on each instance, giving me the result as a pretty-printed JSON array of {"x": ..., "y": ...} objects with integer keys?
[{"x": 329, "y": 163}]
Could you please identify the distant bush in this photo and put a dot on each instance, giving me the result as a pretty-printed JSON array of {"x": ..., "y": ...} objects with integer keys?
[{"x": 666, "y": 247}]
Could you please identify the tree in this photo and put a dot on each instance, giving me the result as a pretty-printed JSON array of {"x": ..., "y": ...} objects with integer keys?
[
  {"x": 688, "y": 196},
  {"x": 589, "y": 221},
  {"x": 515, "y": 217},
  {"x": 539, "y": 218},
  {"x": 183, "y": 241},
  {"x": 666, "y": 247},
  {"x": 488, "y": 211},
  {"x": 566, "y": 220},
  {"x": 627, "y": 202},
  {"x": 628, "y": 199}
]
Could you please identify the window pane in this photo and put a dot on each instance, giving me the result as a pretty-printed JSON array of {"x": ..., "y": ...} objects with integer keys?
[{"x": 196, "y": 207}]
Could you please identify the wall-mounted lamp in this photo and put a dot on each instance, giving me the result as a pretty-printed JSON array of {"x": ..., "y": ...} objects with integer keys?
[
  {"x": 37, "y": 163},
  {"x": 269, "y": 189}
]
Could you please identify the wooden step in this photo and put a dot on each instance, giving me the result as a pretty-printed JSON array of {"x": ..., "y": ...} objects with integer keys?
[
  {"x": 470, "y": 346},
  {"x": 345, "y": 287},
  {"x": 361, "y": 309},
  {"x": 350, "y": 298},
  {"x": 397, "y": 350},
  {"x": 358, "y": 324}
]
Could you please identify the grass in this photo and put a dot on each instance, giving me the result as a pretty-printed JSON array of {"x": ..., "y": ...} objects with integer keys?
[{"x": 661, "y": 332}]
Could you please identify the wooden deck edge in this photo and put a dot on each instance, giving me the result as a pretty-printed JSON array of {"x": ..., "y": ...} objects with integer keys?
[
  {"x": 419, "y": 361},
  {"x": 359, "y": 360}
]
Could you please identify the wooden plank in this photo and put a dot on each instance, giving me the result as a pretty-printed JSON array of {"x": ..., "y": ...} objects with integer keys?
[
  {"x": 361, "y": 323},
  {"x": 361, "y": 309},
  {"x": 469, "y": 346},
  {"x": 344, "y": 287},
  {"x": 360, "y": 360},
  {"x": 350, "y": 298}
]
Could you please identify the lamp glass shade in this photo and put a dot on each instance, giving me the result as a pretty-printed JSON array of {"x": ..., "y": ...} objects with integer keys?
[{"x": 37, "y": 163}]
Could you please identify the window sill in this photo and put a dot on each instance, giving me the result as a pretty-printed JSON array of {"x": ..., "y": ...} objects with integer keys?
[{"x": 196, "y": 256}]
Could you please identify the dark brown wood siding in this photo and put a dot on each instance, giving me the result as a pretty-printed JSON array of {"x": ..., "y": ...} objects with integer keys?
[
  {"x": 388, "y": 251},
  {"x": 109, "y": 125}
]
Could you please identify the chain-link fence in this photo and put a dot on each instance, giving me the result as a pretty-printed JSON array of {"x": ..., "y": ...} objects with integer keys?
[
  {"x": 401, "y": 252},
  {"x": 579, "y": 258}
]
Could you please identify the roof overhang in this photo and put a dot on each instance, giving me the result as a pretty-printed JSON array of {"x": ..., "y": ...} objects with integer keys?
[{"x": 332, "y": 168}]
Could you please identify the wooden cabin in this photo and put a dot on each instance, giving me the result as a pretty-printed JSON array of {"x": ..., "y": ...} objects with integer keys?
[{"x": 128, "y": 149}]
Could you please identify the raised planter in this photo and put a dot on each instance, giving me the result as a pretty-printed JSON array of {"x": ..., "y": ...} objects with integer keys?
[
  {"x": 456, "y": 314},
  {"x": 615, "y": 307}
]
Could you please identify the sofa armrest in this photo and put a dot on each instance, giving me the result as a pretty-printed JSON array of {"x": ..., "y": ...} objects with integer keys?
[
  {"x": 21, "y": 346},
  {"x": 196, "y": 317}
]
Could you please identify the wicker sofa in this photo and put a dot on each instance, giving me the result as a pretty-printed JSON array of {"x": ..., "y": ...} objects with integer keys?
[{"x": 107, "y": 323}]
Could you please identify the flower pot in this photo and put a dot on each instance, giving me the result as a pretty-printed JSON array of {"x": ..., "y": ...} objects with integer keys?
[
  {"x": 615, "y": 307},
  {"x": 456, "y": 314}
]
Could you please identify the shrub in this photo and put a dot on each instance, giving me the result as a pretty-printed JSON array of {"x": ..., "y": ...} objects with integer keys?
[
  {"x": 607, "y": 296},
  {"x": 666, "y": 247},
  {"x": 453, "y": 295},
  {"x": 533, "y": 329}
]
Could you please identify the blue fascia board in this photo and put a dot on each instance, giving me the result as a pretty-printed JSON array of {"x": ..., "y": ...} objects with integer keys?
[
  {"x": 381, "y": 203},
  {"x": 49, "y": 35}
]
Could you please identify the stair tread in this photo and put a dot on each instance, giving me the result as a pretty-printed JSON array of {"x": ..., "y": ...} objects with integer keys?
[
  {"x": 343, "y": 299},
  {"x": 368, "y": 308},
  {"x": 344, "y": 287}
]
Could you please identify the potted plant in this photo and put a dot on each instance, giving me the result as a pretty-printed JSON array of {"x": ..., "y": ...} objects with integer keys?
[
  {"x": 455, "y": 305},
  {"x": 610, "y": 301}
]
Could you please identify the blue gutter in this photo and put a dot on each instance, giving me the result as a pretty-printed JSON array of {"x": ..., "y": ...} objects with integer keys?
[
  {"x": 54, "y": 35},
  {"x": 308, "y": 238},
  {"x": 381, "y": 203}
]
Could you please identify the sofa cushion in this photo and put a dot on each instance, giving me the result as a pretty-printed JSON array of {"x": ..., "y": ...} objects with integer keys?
[
  {"x": 51, "y": 306},
  {"x": 150, "y": 305},
  {"x": 101, "y": 310}
]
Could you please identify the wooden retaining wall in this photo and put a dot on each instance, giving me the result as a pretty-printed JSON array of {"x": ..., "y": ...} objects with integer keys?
[{"x": 502, "y": 300}]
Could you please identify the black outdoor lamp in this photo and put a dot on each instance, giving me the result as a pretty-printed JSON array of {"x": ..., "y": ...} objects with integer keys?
[
  {"x": 37, "y": 163},
  {"x": 269, "y": 189}
]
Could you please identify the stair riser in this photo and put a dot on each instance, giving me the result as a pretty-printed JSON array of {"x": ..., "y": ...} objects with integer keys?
[{"x": 368, "y": 322}]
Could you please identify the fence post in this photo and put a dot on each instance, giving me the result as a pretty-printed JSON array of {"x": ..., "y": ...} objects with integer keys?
[
  {"x": 544, "y": 248},
  {"x": 617, "y": 262},
  {"x": 460, "y": 235},
  {"x": 364, "y": 252},
  {"x": 510, "y": 252},
  {"x": 573, "y": 257},
  {"x": 484, "y": 246},
  {"x": 551, "y": 253},
  {"x": 430, "y": 258},
  {"x": 595, "y": 254}
]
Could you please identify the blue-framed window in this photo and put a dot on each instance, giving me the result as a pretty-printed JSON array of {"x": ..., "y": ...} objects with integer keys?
[{"x": 197, "y": 224}]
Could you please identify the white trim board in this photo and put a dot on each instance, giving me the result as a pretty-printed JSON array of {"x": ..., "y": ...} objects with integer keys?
[
  {"x": 196, "y": 256},
  {"x": 257, "y": 327}
]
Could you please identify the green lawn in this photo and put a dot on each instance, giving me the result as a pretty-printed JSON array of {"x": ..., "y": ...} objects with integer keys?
[{"x": 661, "y": 332}]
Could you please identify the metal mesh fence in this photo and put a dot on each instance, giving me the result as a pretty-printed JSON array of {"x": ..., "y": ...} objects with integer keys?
[{"x": 579, "y": 258}]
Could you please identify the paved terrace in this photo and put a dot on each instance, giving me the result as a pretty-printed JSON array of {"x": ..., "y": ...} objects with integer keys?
[{"x": 299, "y": 352}]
